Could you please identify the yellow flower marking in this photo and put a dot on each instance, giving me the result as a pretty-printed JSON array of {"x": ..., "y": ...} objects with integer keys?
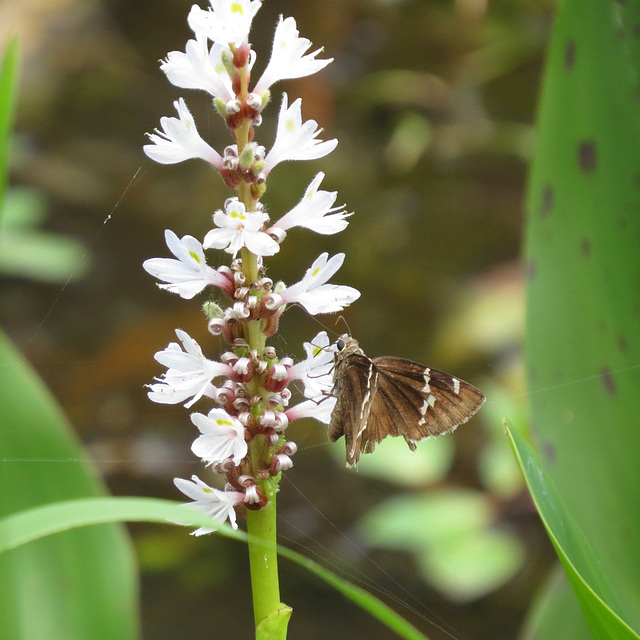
[
  {"x": 289, "y": 124},
  {"x": 238, "y": 214},
  {"x": 195, "y": 256},
  {"x": 317, "y": 351},
  {"x": 207, "y": 489},
  {"x": 236, "y": 7},
  {"x": 222, "y": 422},
  {"x": 315, "y": 272}
]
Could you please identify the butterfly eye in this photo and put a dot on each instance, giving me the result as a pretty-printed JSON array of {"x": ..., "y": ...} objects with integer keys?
[{"x": 340, "y": 345}]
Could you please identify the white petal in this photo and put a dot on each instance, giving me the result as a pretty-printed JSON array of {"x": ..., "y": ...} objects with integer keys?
[
  {"x": 180, "y": 140},
  {"x": 296, "y": 140},
  {"x": 328, "y": 298},
  {"x": 287, "y": 57},
  {"x": 261, "y": 244}
]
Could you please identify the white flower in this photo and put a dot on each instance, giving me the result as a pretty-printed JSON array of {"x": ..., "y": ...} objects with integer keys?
[
  {"x": 316, "y": 370},
  {"x": 222, "y": 437},
  {"x": 296, "y": 140},
  {"x": 287, "y": 57},
  {"x": 179, "y": 140},
  {"x": 312, "y": 292},
  {"x": 189, "y": 274},
  {"x": 314, "y": 212},
  {"x": 189, "y": 373},
  {"x": 215, "y": 503},
  {"x": 320, "y": 409},
  {"x": 199, "y": 68},
  {"x": 226, "y": 22},
  {"x": 240, "y": 228}
]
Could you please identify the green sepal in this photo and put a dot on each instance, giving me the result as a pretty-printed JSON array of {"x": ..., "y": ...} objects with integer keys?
[{"x": 221, "y": 106}]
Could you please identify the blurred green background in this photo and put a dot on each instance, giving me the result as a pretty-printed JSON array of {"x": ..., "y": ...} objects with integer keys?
[{"x": 433, "y": 103}]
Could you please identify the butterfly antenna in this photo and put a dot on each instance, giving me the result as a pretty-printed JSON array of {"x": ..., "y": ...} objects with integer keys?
[
  {"x": 341, "y": 317},
  {"x": 322, "y": 324}
]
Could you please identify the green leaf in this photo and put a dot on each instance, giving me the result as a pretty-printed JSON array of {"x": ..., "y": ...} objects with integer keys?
[
  {"x": 22, "y": 528},
  {"x": 83, "y": 584},
  {"x": 583, "y": 293},
  {"x": 589, "y": 581},
  {"x": 8, "y": 96}
]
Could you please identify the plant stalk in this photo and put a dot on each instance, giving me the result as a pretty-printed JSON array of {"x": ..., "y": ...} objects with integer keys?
[{"x": 263, "y": 559}]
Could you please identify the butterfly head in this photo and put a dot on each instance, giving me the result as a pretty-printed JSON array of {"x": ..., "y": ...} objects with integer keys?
[{"x": 345, "y": 345}]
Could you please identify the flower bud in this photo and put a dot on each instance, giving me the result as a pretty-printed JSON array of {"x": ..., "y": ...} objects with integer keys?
[
  {"x": 232, "y": 107},
  {"x": 211, "y": 310},
  {"x": 254, "y": 101},
  {"x": 246, "y": 158}
]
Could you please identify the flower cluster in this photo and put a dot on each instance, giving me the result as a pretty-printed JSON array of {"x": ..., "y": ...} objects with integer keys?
[{"x": 242, "y": 437}]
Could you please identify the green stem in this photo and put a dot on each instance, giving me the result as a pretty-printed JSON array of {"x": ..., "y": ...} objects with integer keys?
[{"x": 263, "y": 559}]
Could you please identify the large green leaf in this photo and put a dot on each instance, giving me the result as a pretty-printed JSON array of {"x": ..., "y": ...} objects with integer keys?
[
  {"x": 78, "y": 584},
  {"x": 592, "y": 586},
  {"x": 583, "y": 297},
  {"x": 25, "y": 527}
]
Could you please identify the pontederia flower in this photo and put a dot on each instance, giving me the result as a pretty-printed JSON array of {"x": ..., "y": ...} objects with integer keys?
[
  {"x": 200, "y": 68},
  {"x": 240, "y": 228},
  {"x": 243, "y": 438},
  {"x": 287, "y": 57},
  {"x": 179, "y": 140},
  {"x": 189, "y": 373},
  {"x": 189, "y": 274},
  {"x": 312, "y": 292},
  {"x": 225, "y": 22},
  {"x": 296, "y": 140},
  {"x": 215, "y": 503},
  {"x": 313, "y": 212},
  {"x": 222, "y": 437}
]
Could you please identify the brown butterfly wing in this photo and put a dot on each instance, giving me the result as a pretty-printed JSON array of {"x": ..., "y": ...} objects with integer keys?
[
  {"x": 416, "y": 402},
  {"x": 355, "y": 384}
]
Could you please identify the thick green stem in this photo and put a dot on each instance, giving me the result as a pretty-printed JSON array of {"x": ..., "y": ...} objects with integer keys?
[{"x": 263, "y": 559}]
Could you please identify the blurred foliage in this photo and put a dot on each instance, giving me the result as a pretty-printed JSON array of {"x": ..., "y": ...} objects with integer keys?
[
  {"x": 450, "y": 531},
  {"x": 27, "y": 252},
  {"x": 9, "y": 72},
  {"x": 81, "y": 583},
  {"x": 433, "y": 104}
]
